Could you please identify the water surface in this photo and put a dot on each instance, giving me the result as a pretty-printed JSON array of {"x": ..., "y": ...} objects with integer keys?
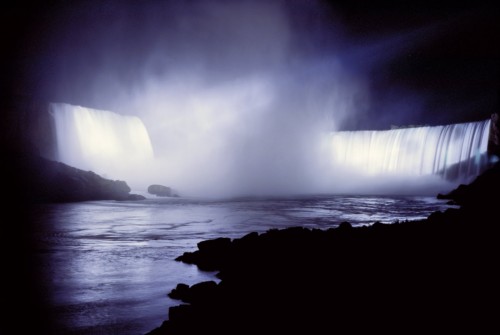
[{"x": 106, "y": 266}]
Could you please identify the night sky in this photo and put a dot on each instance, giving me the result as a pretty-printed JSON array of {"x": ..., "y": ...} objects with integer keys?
[{"x": 423, "y": 62}]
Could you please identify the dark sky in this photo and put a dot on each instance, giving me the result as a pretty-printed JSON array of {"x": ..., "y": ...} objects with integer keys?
[
  {"x": 456, "y": 70},
  {"x": 424, "y": 62}
]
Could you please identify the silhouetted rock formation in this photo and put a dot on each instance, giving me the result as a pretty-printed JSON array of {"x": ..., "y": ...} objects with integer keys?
[
  {"x": 436, "y": 274},
  {"x": 43, "y": 180}
]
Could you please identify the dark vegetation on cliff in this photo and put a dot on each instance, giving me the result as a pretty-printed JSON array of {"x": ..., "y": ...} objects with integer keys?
[{"x": 432, "y": 276}]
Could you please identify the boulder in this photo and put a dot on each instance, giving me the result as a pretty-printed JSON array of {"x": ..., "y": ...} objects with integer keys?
[
  {"x": 211, "y": 254},
  {"x": 135, "y": 197},
  {"x": 160, "y": 190},
  {"x": 181, "y": 292}
]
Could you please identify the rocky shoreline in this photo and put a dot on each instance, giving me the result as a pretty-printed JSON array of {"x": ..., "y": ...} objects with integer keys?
[{"x": 434, "y": 275}]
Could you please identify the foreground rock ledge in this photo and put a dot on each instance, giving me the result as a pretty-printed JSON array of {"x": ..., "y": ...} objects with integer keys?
[{"x": 432, "y": 276}]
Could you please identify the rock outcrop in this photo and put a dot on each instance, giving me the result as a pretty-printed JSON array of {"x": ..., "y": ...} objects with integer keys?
[
  {"x": 480, "y": 195},
  {"x": 161, "y": 191},
  {"x": 494, "y": 138},
  {"x": 43, "y": 180}
]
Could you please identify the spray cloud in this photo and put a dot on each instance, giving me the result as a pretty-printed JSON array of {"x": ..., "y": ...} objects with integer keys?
[{"x": 236, "y": 95}]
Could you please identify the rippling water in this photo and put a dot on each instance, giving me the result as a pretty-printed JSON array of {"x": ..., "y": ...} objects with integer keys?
[{"x": 107, "y": 266}]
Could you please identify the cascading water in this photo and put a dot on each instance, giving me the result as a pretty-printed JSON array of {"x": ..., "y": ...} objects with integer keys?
[
  {"x": 119, "y": 147},
  {"x": 456, "y": 152},
  {"x": 104, "y": 142}
]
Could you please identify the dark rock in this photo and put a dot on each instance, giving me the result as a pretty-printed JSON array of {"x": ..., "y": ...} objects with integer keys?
[
  {"x": 202, "y": 292},
  {"x": 246, "y": 240},
  {"x": 218, "y": 245},
  {"x": 344, "y": 226},
  {"x": 494, "y": 138},
  {"x": 160, "y": 191},
  {"x": 180, "y": 292},
  {"x": 179, "y": 312},
  {"x": 135, "y": 197},
  {"x": 210, "y": 256},
  {"x": 249, "y": 237},
  {"x": 43, "y": 180},
  {"x": 435, "y": 216},
  {"x": 479, "y": 193}
]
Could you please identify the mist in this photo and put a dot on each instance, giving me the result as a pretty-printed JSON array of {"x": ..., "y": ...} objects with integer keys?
[{"x": 237, "y": 96}]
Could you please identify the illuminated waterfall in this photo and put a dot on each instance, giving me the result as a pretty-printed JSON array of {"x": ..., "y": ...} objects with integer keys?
[
  {"x": 101, "y": 141},
  {"x": 456, "y": 151},
  {"x": 119, "y": 147}
]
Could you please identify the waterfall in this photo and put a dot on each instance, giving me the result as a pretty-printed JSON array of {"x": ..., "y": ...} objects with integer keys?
[
  {"x": 101, "y": 141},
  {"x": 118, "y": 147},
  {"x": 456, "y": 152}
]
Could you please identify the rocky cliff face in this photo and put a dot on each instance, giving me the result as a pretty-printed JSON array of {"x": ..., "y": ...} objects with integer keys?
[
  {"x": 27, "y": 127},
  {"x": 494, "y": 139}
]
